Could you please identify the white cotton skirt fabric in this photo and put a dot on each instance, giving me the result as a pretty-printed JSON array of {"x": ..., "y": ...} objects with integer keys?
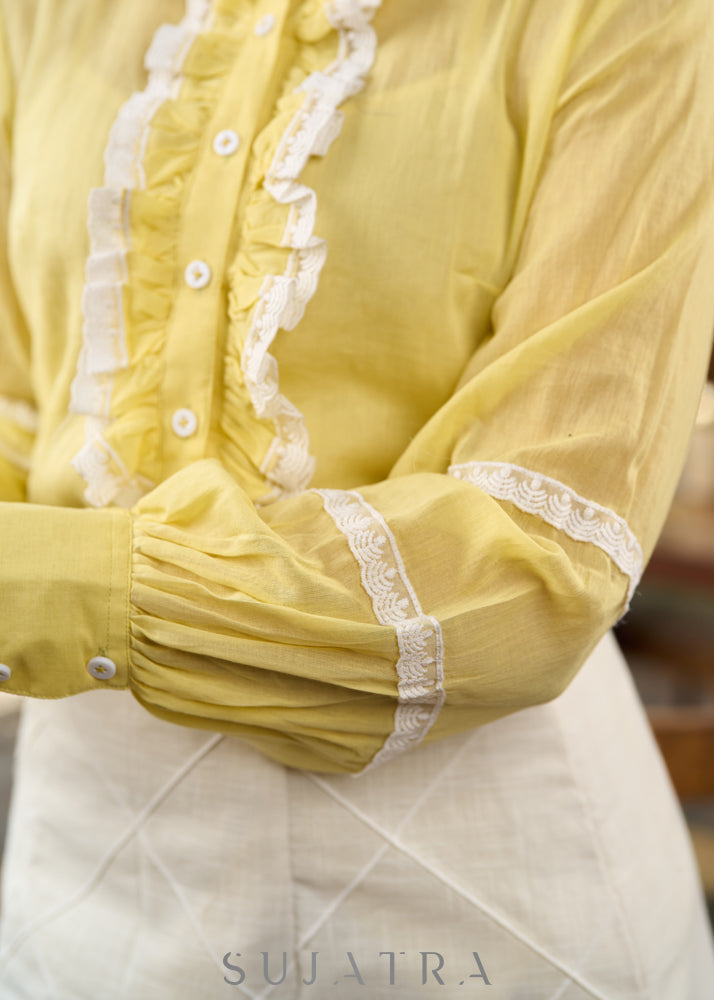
[{"x": 152, "y": 862}]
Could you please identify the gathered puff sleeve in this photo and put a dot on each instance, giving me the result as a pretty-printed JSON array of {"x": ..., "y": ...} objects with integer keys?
[
  {"x": 17, "y": 411},
  {"x": 335, "y": 629}
]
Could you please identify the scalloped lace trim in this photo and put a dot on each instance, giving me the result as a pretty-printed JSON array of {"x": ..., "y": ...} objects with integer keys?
[
  {"x": 420, "y": 666},
  {"x": 17, "y": 412},
  {"x": 104, "y": 349},
  {"x": 562, "y": 508},
  {"x": 288, "y": 465}
]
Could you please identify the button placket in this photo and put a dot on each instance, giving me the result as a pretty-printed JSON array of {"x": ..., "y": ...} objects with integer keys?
[{"x": 197, "y": 325}]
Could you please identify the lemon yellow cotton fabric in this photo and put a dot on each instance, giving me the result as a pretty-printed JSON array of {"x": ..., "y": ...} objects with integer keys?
[{"x": 346, "y": 368}]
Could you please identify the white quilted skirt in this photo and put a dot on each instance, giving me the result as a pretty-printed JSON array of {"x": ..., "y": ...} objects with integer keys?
[{"x": 542, "y": 857}]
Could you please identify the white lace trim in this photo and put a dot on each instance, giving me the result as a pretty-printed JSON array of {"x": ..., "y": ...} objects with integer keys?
[
  {"x": 420, "y": 667},
  {"x": 104, "y": 349},
  {"x": 288, "y": 465},
  {"x": 561, "y": 507},
  {"x": 17, "y": 412}
]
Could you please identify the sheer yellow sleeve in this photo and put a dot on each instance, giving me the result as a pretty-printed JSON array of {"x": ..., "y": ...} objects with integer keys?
[{"x": 337, "y": 628}]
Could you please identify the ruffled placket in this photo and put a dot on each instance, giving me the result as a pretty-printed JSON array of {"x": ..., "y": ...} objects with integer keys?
[{"x": 203, "y": 245}]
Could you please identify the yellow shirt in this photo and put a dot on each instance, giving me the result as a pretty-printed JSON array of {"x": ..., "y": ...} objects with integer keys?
[{"x": 346, "y": 413}]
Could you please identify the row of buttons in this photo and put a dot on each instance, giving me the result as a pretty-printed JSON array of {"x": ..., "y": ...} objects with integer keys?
[
  {"x": 100, "y": 667},
  {"x": 184, "y": 421},
  {"x": 197, "y": 275}
]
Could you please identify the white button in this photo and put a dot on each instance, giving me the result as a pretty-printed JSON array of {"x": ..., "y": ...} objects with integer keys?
[
  {"x": 226, "y": 142},
  {"x": 102, "y": 668},
  {"x": 264, "y": 25},
  {"x": 184, "y": 423},
  {"x": 4, "y": 672},
  {"x": 197, "y": 274}
]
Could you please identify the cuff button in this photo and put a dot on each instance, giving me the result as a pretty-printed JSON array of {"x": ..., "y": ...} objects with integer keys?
[{"x": 101, "y": 668}]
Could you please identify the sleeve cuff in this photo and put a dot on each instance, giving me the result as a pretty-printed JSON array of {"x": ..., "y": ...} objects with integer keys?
[{"x": 65, "y": 599}]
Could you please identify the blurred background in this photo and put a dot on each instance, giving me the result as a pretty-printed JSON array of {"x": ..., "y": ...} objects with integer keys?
[
  {"x": 667, "y": 636},
  {"x": 668, "y": 639}
]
